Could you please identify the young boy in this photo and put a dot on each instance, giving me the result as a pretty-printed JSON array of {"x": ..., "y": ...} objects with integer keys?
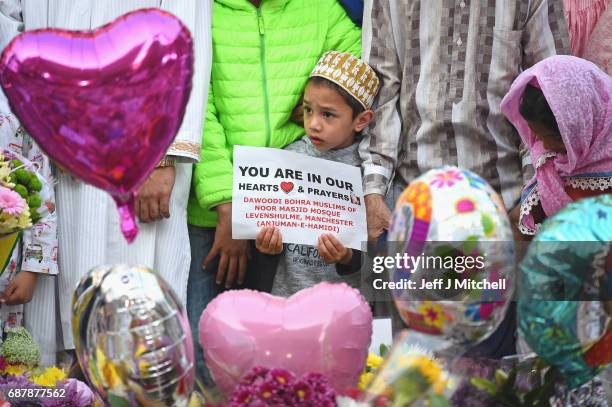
[{"x": 337, "y": 102}]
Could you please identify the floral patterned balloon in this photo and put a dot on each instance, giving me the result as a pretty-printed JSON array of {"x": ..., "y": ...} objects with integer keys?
[{"x": 453, "y": 248}]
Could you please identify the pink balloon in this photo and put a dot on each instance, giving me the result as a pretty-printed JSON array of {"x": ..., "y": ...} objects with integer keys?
[
  {"x": 104, "y": 104},
  {"x": 325, "y": 329}
]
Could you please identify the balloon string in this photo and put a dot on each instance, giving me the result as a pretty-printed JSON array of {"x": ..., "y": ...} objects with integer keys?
[{"x": 129, "y": 228}]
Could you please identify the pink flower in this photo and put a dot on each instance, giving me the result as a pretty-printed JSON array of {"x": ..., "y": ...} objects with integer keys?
[
  {"x": 11, "y": 202},
  {"x": 446, "y": 178}
]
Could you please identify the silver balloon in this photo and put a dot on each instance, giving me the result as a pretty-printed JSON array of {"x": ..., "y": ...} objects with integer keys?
[{"x": 132, "y": 337}]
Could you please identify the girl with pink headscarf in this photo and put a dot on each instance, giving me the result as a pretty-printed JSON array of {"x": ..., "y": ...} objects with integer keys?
[{"x": 562, "y": 109}]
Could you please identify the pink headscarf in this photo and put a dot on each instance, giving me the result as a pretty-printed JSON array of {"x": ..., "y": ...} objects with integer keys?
[{"x": 580, "y": 96}]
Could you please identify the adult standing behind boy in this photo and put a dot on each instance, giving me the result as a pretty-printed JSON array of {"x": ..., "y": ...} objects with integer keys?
[
  {"x": 88, "y": 225},
  {"x": 263, "y": 54},
  {"x": 445, "y": 66}
]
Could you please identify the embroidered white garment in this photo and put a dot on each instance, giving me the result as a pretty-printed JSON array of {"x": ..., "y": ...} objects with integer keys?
[{"x": 89, "y": 233}]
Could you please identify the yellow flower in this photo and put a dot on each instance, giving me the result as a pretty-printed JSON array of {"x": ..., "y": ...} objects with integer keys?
[
  {"x": 5, "y": 171},
  {"x": 428, "y": 368},
  {"x": 439, "y": 386},
  {"x": 25, "y": 220},
  {"x": 143, "y": 364},
  {"x": 373, "y": 361},
  {"x": 15, "y": 370},
  {"x": 108, "y": 371},
  {"x": 364, "y": 380},
  {"x": 50, "y": 377},
  {"x": 7, "y": 222}
]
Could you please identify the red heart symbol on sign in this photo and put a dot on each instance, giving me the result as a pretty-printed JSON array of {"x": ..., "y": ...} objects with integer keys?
[{"x": 286, "y": 186}]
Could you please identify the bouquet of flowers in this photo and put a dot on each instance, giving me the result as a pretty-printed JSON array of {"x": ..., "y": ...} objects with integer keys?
[
  {"x": 408, "y": 376},
  {"x": 23, "y": 191},
  {"x": 22, "y": 381},
  {"x": 281, "y": 388},
  {"x": 530, "y": 383}
]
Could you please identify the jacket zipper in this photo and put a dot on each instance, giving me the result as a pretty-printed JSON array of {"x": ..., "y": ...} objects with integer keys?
[{"x": 262, "y": 59}]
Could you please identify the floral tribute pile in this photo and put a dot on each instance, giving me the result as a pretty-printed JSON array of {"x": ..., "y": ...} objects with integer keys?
[{"x": 23, "y": 383}]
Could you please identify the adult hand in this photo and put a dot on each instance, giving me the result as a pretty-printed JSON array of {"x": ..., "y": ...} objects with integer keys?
[
  {"x": 232, "y": 253},
  {"x": 332, "y": 251},
  {"x": 269, "y": 241},
  {"x": 297, "y": 115},
  {"x": 20, "y": 289},
  {"x": 153, "y": 198},
  {"x": 378, "y": 215}
]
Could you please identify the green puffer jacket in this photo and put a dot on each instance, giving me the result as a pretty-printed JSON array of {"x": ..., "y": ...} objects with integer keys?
[{"x": 261, "y": 60}]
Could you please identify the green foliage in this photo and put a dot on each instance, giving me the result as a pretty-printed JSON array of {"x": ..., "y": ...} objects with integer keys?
[
  {"x": 35, "y": 185},
  {"x": 505, "y": 391},
  {"x": 22, "y": 191},
  {"x": 34, "y": 201},
  {"x": 437, "y": 401},
  {"x": 20, "y": 348},
  {"x": 23, "y": 176}
]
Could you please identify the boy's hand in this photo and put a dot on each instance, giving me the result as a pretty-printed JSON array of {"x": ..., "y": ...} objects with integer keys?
[
  {"x": 232, "y": 253},
  {"x": 20, "y": 289},
  {"x": 332, "y": 251},
  {"x": 269, "y": 241}
]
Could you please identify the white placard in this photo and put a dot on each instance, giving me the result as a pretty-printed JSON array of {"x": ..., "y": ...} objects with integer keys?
[
  {"x": 303, "y": 196},
  {"x": 382, "y": 334}
]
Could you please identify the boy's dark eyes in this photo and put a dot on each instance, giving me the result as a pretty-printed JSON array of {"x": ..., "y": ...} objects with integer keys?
[
  {"x": 307, "y": 109},
  {"x": 328, "y": 114}
]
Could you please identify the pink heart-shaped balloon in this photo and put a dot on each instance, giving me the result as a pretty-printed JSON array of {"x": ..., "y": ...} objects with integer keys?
[
  {"x": 103, "y": 104},
  {"x": 325, "y": 329}
]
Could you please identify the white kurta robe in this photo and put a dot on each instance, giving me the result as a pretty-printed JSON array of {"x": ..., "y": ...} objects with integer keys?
[{"x": 88, "y": 225}]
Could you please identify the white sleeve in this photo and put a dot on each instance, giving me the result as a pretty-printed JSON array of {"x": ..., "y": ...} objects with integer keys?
[
  {"x": 196, "y": 15},
  {"x": 11, "y": 24}
]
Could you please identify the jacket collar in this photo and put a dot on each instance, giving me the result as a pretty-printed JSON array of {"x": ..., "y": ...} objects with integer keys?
[{"x": 246, "y": 5}]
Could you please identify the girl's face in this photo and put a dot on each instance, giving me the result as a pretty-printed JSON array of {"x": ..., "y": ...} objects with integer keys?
[{"x": 552, "y": 140}]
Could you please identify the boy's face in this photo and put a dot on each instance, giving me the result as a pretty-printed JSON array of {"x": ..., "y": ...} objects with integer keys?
[{"x": 328, "y": 119}]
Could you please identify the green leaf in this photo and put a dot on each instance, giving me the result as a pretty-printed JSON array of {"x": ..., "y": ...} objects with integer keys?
[
  {"x": 470, "y": 245},
  {"x": 445, "y": 250},
  {"x": 508, "y": 387},
  {"x": 487, "y": 224},
  {"x": 484, "y": 384},
  {"x": 383, "y": 349},
  {"x": 437, "y": 401},
  {"x": 500, "y": 377},
  {"x": 116, "y": 400},
  {"x": 531, "y": 397}
]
